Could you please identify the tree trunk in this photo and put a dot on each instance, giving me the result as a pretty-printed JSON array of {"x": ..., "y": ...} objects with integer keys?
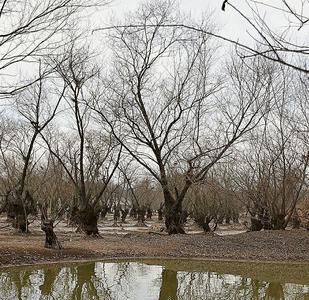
[
  {"x": 174, "y": 219},
  {"x": 116, "y": 215},
  {"x": 256, "y": 224},
  {"x": 295, "y": 221},
  {"x": 160, "y": 214},
  {"x": 88, "y": 221},
  {"x": 278, "y": 222},
  {"x": 51, "y": 240},
  {"x": 202, "y": 222},
  {"x": 133, "y": 213},
  {"x": 235, "y": 217},
  {"x": 104, "y": 211},
  {"x": 149, "y": 214},
  {"x": 124, "y": 213},
  {"x": 220, "y": 219},
  {"x": 17, "y": 212},
  {"x": 20, "y": 220},
  {"x": 141, "y": 213},
  {"x": 21, "y": 223},
  {"x": 228, "y": 219}
]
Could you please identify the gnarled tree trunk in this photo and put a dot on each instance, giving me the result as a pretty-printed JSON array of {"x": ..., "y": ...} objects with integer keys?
[
  {"x": 174, "y": 218},
  {"x": 256, "y": 224},
  {"x": 88, "y": 220},
  {"x": 141, "y": 216},
  {"x": 51, "y": 240},
  {"x": 149, "y": 214},
  {"x": 124, "y": 213}
]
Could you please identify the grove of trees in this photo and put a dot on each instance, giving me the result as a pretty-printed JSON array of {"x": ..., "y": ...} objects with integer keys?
[{"x": 160, "y": 121}]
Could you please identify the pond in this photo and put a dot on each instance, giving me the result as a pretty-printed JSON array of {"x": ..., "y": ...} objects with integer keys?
[{"x": 156, "y": 280}]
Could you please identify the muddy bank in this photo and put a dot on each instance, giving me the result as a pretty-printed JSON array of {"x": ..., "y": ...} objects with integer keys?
[{"x": 279, "y": 246}]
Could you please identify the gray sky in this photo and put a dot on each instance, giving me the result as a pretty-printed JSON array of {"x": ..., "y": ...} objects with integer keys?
[{"x": 229, "y": 23}]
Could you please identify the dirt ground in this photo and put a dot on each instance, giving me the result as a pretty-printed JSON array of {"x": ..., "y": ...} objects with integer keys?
[{"x": 230, "y": 242}]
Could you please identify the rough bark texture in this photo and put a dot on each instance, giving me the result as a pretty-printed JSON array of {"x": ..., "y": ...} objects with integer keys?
[
  {"x": 141, "y": 215},
  {"x": 174, "y": 219},
  {"x": 88, "y": 221},
  {"x": 256, "y": 224},
  {"x": 51, "y": 240},
  {"x": 124, "y": 214},
  {"x": 278, "y": 222},
  {"x": 149, "y": 214},
  {"x": 160, "y": 214},
  {"x": 203, "y": 223},
  {"x": 133, "y": 213},
  {"x": 104, "y": 211},
  {"x": 116, "y": 215},
  {"x": 16, "y": 213}
]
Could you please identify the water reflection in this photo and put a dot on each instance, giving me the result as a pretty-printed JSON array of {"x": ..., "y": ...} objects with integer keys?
[{"x": 134, "y": 280}]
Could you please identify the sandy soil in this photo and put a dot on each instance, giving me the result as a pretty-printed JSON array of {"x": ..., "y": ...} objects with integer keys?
[{"x": 230, "y": 243}]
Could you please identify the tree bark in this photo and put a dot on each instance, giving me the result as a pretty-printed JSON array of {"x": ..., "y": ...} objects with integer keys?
[
  {"x": 256, "y": 224},
  {"x": 141, "y": 214},
  {"x": 51, "y": 240},
  {"x": 124, "y": 213},
  {"x": 174, "y": 218},
  {"x": 88, "y": 221},
  {"x": 149, "y": 214},
  {"x": 160, "y": 214}
]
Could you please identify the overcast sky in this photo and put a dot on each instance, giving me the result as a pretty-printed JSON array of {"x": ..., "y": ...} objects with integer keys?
[{"x": 229, "y": 22}]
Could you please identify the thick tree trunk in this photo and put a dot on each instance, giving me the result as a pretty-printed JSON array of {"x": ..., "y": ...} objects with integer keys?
[
  {"x": 104, "y": 211},
  {"x": 17, "y": 212},
  {"x": 133, "y": 213},
  {"x": 228, "y": 219},
  {"x": 116, "y": 216},
  {"x": 174, "y": 219},
  {"x": 124, "y": 213},
  {"x": 295, "y": 220},
  {"x": 278, "y": 222},
  {"x": 141, "y": 214},
  {"x": 256, "y": 224},
  {"x": 235, "y": 217},
  {"x": 203, "y": 223},
  {"x": 149, "y": 214},
  {"x": 19, "y": 218},
  {"x": 220, "y": 219},
  {"x": 88, "y": 221},
  {"x": 160, "y": 214},
  {"x": 21, "y": 223},
  {"x": 51, "y": 240}
]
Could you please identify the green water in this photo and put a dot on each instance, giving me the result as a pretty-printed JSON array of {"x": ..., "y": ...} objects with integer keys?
[{"x": 157, "y": 280}]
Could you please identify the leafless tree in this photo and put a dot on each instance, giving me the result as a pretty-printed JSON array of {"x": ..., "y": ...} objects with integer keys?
[
  {"x": 277, "y": 44},
  {"x": 30, "y": 29},
  {"x": 274, "y": 170},
  {"x": 88, "y": 156},
  {"x": 163, "y": 95},
  {"x": 35, "y": 111}
]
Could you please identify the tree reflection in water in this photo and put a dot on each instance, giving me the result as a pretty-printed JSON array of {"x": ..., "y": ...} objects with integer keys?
[{"x": 113, "y": 281}]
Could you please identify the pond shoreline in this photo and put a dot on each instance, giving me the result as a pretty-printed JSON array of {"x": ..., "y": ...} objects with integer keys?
[
  {"x": 152, "y": 259},
  {"x": 266, "y": 246}
]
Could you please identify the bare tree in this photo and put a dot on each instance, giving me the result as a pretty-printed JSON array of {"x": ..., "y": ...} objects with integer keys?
[
  {"x": 277, "y": 44},
  {"x": 274, "y": 170},
  {"x": 30, "y": 29},
  {"x": 163, "y": 96},
  {"x": 89, "y": 157},
  {"x": 36, "y": 111}
]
